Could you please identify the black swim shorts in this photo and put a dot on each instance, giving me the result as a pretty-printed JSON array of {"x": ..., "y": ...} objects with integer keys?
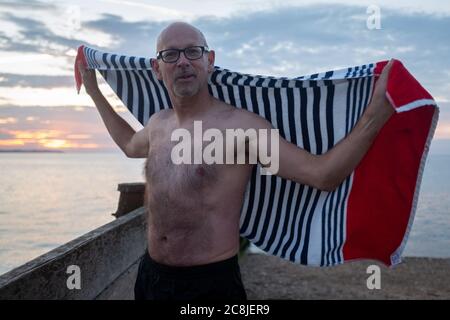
[{"x": 215, "y": 281}]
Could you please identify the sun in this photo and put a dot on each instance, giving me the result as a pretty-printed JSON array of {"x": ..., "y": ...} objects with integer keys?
[{"x": 55, "y": 144}]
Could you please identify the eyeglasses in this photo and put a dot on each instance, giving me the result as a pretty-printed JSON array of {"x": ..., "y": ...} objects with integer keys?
[{"x": 172, "y": 55}]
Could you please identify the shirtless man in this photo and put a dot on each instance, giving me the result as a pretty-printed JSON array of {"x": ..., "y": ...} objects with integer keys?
[{"x": 194, "y": 209}]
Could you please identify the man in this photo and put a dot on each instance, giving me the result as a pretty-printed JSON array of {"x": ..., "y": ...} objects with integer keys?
[{"x": 193, "y": 219}]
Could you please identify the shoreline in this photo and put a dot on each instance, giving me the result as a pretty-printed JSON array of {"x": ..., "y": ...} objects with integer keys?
[{"x": 270, "y": 277}]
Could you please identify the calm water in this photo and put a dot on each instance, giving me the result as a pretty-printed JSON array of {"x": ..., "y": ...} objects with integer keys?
[{"x": 49, "y": 199}]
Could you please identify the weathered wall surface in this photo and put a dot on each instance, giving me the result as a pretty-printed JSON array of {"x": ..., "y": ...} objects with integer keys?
[{"x": 107, "y": 258}]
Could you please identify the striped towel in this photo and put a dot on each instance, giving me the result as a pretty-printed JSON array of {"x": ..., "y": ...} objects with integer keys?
[{"x": 370, "y": 214}]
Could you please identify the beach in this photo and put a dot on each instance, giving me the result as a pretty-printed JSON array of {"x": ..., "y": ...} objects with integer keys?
[{"x": 269, "y": 277}]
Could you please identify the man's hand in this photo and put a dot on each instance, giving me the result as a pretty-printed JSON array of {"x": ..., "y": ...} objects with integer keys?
[
  {"x": 89, "y": 79},
  {"x": 380, "y": 106}
]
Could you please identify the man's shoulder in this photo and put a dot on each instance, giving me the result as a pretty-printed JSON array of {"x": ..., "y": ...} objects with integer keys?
[
  {"x": 163, "y": 114},
  {"x": 158, "y": 117},
  {"x": 246, "y": 119},
  {"x": 232, "y": 111}
]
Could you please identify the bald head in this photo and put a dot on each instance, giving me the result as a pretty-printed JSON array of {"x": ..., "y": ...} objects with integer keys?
[
  {"x": 184, "y": 77},
  {"x": 176, "y": 30}
]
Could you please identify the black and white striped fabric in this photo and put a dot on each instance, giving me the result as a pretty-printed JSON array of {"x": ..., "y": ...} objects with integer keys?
[{"x": 292, "y": 221}]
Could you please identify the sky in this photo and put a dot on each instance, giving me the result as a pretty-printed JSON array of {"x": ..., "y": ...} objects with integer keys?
[{"x": 39, "y": 106}]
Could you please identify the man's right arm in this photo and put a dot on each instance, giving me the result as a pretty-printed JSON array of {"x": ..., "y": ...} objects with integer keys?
[{"x": 133, "y": 144}]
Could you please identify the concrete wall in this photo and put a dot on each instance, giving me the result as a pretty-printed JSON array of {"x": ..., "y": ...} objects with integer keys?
[{"x": 107, "y": 257}]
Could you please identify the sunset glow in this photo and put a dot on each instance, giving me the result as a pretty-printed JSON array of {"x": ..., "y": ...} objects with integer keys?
[
  {"x": 64, "y": 144},
  {"x": 46, "y": 139}
]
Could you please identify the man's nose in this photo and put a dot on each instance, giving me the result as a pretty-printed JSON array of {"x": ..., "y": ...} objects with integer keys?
[{"x": 182, "y": 60}]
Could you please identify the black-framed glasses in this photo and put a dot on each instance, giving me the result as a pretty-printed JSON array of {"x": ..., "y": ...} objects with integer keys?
[{"x": 172, "y": 55}]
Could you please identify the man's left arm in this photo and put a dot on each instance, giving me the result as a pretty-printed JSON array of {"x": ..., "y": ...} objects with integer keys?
[{"x": 327, "y": 171}]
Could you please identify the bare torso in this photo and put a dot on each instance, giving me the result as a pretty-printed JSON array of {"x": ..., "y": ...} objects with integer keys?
[{"x": 193, "y": 209}]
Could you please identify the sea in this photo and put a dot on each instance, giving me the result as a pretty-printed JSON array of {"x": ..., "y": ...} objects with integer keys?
[{"x": 48, "y": 199}]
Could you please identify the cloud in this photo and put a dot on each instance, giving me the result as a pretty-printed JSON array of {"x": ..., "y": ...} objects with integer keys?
[
  {"x": 34, "y": 36},
  {"x": 313, "y": 38},
  {"x": 131, "y": 37},
  {"x": 7, "y": 120},
  {"x": 36, "y": 81},
  {"x": 285, "y": 41},
  {"x": 26, "y": 4},
  {"x": 78, "y": 136}
]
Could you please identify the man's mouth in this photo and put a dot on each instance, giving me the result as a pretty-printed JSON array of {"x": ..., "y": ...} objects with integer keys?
[{"x": 186, "y": 77}]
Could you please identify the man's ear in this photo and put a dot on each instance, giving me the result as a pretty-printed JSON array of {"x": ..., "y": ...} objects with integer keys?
[
  {"x": 155, "y": 66},
  {"x": 211, "y": 58}
]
